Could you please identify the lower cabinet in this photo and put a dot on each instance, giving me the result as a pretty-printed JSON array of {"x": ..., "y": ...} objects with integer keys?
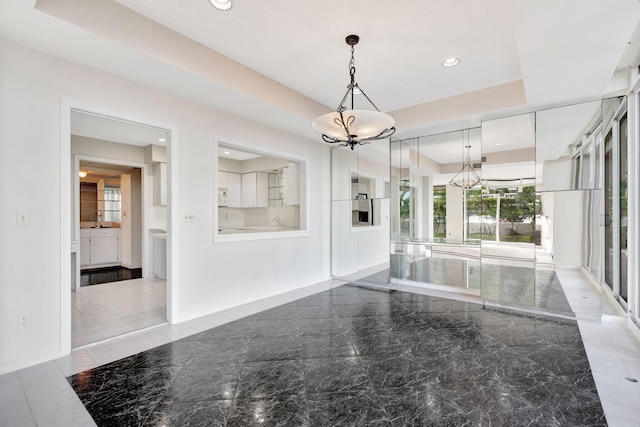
[
  {"x": 160, "y": 257},
  {"x": 85, "y": 250},
  {"x": 99, "y": 246}
]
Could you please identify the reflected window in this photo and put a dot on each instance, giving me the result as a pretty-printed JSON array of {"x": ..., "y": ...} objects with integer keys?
[
  {"x": 365, "y": 210},
  {"x": 509, "y": 214},
  {"x": 407, "y": 213},
  {"x": 440, "y": 211}
]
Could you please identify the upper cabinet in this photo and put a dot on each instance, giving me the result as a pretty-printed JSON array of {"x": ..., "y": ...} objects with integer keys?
[
  {"x": 234, "y": 190},
  {"x": 160, "y": 184},
  {"x": 291, "y": 185},
  {"x": 231, "y": 184},
  {"x": 255, "y": 193}
]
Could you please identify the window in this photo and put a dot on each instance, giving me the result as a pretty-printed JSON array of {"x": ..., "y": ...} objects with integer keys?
[
  {"x": 258, "y": 194},
  {"x": 112, "y": 203}
]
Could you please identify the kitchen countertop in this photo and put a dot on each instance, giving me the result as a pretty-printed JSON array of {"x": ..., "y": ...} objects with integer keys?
[{"x": 253, "y": 229}]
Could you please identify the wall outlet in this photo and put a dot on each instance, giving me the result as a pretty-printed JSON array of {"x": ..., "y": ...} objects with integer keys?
[
  {"x": 189, "y": 217},
  {"x": 24, "y": 321}
]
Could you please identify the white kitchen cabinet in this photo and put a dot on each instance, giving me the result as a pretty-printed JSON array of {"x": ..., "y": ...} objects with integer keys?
[
  {"x": 160, "y": 255},
  {"x": 85, "y": 247},
  {"x": 234, "y": 190},
  {"x": 104, "y": 250},
  {"x": 160, "y": 184},
  {"x": 291, "y": 185},
  {"x": 255, "y": 190},
  {"x": 99, "y": 246},
  {"x": 222, "y": 179}
]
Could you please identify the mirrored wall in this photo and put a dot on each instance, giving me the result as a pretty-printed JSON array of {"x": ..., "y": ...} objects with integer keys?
[{"x": 507, "y": 210}]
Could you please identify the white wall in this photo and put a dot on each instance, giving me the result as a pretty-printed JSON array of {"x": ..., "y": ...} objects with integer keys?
[{"x": 208, "y": 277}]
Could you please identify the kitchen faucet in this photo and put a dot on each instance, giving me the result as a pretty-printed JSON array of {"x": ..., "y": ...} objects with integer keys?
[{"x": 277, "y": 220}]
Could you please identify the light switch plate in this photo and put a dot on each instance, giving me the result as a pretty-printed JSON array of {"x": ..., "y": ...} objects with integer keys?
[{"x": 22, "y": 217}]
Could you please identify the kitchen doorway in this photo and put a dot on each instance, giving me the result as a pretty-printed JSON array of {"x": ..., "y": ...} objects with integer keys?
[{"x": 118, "y": 227}]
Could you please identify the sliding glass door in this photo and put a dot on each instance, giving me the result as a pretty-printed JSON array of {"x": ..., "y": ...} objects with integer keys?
[
  {"x": 623, "y": 203},
  {"x": 616, "y": 177},
  {"x": 608, "y": 217}
]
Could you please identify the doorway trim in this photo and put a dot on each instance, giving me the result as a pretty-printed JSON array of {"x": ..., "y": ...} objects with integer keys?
[{"x": 68, "y": 244}]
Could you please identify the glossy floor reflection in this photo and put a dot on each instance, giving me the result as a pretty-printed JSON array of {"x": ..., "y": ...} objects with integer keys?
[
  {"x": 356, "y": 357},
  {"x": 97, "y": 276},
  {"x": 516, "y": 283}
]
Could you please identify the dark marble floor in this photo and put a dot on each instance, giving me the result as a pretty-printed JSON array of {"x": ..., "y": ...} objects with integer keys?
[
  {"x": 353, "y": 356},
  {"x": 98, "y": 276}
]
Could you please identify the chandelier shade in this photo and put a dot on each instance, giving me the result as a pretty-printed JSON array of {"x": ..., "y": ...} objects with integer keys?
[
  {"x": 358, "y": 125},
  {"x": 351, "y": 127}
]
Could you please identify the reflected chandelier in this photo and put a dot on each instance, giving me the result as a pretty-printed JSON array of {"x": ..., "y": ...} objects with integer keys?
[
  {"x": 467, "y": 177},
  {"x": 352, "y": 127}
]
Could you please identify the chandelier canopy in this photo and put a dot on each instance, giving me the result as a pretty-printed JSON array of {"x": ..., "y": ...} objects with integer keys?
[{"x": 352, "y": 127}]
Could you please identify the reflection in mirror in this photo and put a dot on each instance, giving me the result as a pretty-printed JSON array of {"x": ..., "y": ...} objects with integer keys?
[
  {"x": 566, "y": 140},
  {"x": 508, "y": 188},
  {"x": 510, "y": 210},
  {"x": 543, "y": 230},
  {"x": 432, "y": 242}
]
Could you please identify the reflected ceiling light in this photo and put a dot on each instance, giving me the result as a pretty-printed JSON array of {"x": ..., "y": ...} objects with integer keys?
[
  {"x": 221, "y": 4},
  {"x": 497, "y": 144},
  {"x": 227, "y": 153},
  {"x": 162, "y": 140},
  {"x": 82, "y": 174},
  {"x": 354, "y": 127},
  {"x": 467, "y": 177},
  {"x": 450, "y": 62}
]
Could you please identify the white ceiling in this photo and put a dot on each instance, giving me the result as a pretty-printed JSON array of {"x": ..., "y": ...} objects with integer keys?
[{"x": 294, "y": 51}]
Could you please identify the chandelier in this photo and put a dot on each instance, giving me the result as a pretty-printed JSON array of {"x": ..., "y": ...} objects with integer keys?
[
  {"x": 352, "y": 127},
  {"x": 467, "y": 177}
]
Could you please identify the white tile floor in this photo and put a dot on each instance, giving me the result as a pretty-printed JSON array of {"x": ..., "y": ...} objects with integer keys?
[
  {"x": 612, "y": 349},
  {"x": 40, "y": 395},
  {"x": 108, "y": 310}
]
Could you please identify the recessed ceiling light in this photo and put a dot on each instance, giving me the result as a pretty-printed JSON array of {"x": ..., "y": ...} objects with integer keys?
[
  {"x": 221, "y": 4},
  {"x": 162, "y": 140},
  {"x": 497, "y": 144},
  {"x": 451, "y": 62},
  {"x": 82, "y": 174},
  {"x": 454, "y": 157}
]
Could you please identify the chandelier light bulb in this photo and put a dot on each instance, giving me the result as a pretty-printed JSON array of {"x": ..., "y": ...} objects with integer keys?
[
  {"x": 451, "y": 62},
  {"x": 221, "y": 4}
]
